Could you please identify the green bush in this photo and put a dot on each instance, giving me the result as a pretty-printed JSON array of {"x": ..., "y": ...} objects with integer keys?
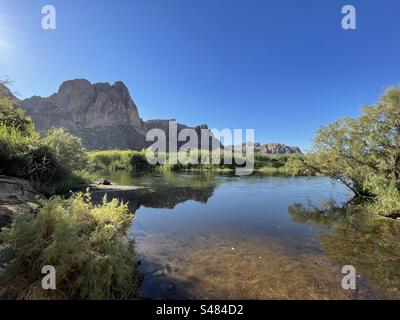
[
  {"x": 30, "y": 158},
  {"x": 49, "y": 162},
  {"x": 43, "y": 167},
  {"x": 110, "y": 160},
  {"x": 86, "y": 244},
  {"x": 118, "y": 160},
  {"x": 67, "y": 149},
  {"x": 387, "y": 197},
  {"x": 12, "y": 117},
  {"x": 15, "y": 118},
  {"x": 13, "y": 148},
  {"x": 138, "y": 162}
]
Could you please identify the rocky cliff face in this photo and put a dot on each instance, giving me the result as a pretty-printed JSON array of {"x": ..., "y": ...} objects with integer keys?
[
  {"x": 272, "y": 148},
  {"x": 278, "y": 148},
  {"x": 102, "y": 115},
  {"x": 164, "y": 126}
]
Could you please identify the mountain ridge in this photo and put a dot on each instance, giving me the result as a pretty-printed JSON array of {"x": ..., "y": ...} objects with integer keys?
[
  {"x": 105, "y": 117},
  {"x": 269, "y": 148}
]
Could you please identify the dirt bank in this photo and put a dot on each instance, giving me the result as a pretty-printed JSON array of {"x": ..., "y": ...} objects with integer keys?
[{"x": 16, "y": 196}]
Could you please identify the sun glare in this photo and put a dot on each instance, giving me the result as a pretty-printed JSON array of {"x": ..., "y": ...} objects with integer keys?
[{"x": 5, "y": 45}]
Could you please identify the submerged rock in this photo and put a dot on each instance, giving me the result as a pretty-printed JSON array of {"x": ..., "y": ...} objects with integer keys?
[{"x": 165, "y": 269}]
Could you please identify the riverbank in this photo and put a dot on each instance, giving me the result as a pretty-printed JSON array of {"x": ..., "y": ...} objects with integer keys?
[
  {"x": 86, "y": 243},
  {"x": 17, "y": 196}
]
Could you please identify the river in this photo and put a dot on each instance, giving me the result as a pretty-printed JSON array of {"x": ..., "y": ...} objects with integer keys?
[{"x": 213, "y": 236}]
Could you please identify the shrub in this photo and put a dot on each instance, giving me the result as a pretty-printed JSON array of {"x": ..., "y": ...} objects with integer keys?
[
  {"x": 387, "y": 199},
  {"x": 138, "y": 162},
  {"x": 67, "y": 149},
  {"x": 15, "y": 118},
  {"x": 118, "y": 160},
  {"x": 13, "y": 151},
  {"x": 12, "y": 117},
  {"x": 109, "y": 160},
  {"x": 25, "y": 156},
  {"x": 16, "y": 134},
  {"x": 86, "y": 244},
  {"x": 43, "y": 167}
]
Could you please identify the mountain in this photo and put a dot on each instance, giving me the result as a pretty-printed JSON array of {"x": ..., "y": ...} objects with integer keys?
[
  {"x": 278, "y": 148},
  {"x": 270, "y": 148},
  {"x": 104, "y": 116}
]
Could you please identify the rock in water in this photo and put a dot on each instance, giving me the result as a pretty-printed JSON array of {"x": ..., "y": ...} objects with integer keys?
[{"x": 104, "y": 182}]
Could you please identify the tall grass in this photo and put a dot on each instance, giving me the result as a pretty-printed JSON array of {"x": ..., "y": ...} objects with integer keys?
[{"x": 136, "y": 161}]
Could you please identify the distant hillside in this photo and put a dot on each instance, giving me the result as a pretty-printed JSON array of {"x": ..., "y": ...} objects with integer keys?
[{"x": 272, "y": 148}]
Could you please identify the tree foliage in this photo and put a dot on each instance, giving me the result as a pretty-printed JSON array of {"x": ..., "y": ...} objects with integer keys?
[
  {"x": 364, "y": 152},
  {"x": 67, "y": 149},
  {"x": 10, "y": 116}
]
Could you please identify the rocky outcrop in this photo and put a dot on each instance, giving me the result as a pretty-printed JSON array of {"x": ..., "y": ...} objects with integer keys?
[
  {"x": 164, "y": 125},
  {"x": 271, "y": 148},
  {"x": 278, "y": 148},
  {"x": 104, "y": 116},
  {"x": 16, "y": 196}
]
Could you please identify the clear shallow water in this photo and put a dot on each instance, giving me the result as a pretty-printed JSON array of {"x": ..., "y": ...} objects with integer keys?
[{"x": 226, "y": 237}]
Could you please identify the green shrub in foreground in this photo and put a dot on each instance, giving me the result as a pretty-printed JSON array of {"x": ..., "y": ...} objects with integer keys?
[
  {"x": 51, "y": 164},
  {"x": 86, "y": 244}
]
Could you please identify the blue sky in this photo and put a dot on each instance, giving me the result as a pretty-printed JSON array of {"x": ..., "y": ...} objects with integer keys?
[{"x": 281, "y": 67}]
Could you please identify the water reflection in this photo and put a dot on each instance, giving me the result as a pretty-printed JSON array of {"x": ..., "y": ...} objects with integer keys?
[
  {"x": 164, "y": 179},
  {"x": 208, "y": 236},
  {"x": 357, "y": 238},
  {"x": 159, "y": 197}
]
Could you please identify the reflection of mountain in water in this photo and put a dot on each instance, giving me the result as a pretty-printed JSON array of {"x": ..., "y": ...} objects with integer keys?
[
  {"x": 371, "y": 244},
  {"x": 163, "y": 197}
]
